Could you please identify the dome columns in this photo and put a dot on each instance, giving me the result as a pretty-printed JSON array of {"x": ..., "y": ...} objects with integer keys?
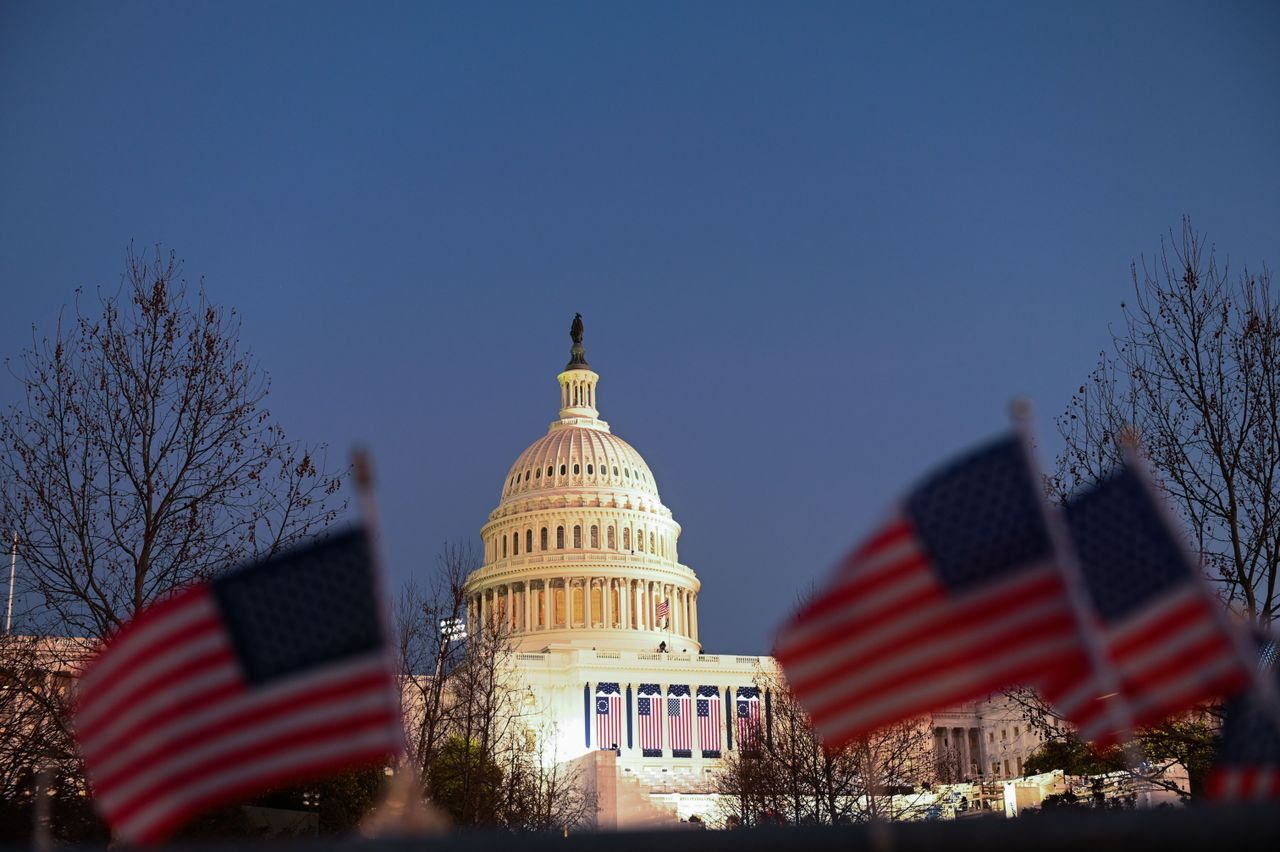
[
  {"x": 611, "y": 606},
  {"x": 578, "y": 397}
]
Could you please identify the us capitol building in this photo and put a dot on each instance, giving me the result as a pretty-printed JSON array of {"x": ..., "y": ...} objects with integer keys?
[{"x": 582, "y": 569}]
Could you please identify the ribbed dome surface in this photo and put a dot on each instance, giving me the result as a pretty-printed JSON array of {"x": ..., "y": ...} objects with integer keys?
[{"x": 579, "y": 457}]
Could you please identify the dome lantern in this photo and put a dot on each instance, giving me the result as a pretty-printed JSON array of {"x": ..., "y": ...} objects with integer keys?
[{"x": 578, "y": 386}]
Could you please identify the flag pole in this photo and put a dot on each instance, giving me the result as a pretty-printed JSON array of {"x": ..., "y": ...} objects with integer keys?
[
  {"x": 1263, "y": 687},
  {"x": 13, "y": 571},
  {"x": 402, "y": 810},
  {"x": 367, "y": 509},
  {"x": 1118, "y": 709}
]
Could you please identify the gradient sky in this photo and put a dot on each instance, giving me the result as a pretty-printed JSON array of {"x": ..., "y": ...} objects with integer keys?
[{"x": 818, "y": 247}]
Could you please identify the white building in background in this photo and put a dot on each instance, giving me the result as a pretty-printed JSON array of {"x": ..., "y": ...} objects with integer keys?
[{"x": 581, "y": 565}]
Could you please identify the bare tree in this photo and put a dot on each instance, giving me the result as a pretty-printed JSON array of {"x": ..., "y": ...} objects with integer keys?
[
  {"x": 142, "y": 455},
  {"x": 474, "y": 729},
  {"x": 1195, "y": 370},
  {"x": 430, "y": 647},
  {"x": 794, "y": 777}
]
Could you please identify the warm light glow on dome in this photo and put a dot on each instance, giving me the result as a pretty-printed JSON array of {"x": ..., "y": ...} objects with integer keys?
[{"x": 580, "y": 549}]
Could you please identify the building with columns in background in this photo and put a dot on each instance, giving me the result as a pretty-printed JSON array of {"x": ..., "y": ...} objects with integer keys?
[{"x": 582, "y": 570}]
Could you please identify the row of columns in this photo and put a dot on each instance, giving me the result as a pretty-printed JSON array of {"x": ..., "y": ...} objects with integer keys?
[
  {"x": 636, "y": 606},
  {"x": 966, "y": 744}
]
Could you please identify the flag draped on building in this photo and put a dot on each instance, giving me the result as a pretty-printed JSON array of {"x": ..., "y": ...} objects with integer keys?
[
  {"x": 708, "y": 712},
  {"x": 649, "y": 715},
  {"x": 274, "y": 672},
  {"x": 956, "y": 596},
  {"x": 680, "y": 720},
  {"x": 1247, "y": 766},
  {"x": 608, "y": 715},
  {"x": 748, "y": 718},
  {"x": 1163, "y": 632}
]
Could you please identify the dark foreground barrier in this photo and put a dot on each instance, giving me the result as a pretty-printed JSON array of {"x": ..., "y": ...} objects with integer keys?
[{"x": 1218, "y": 829}]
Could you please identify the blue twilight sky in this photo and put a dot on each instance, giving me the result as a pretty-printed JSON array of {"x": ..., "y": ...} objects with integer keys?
[{"x": 817, "y": 246}]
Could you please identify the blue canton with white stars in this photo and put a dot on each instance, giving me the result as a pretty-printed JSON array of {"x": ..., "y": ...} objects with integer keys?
[
  {"x": 303, "y": 608},
  {"x": 980, "y": 517},
  {"x": 1126, "y": 551}
]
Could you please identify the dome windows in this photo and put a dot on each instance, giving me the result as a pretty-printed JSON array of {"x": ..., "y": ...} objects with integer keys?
[
  {"x": 576, "y": 469},
  {"x": 577, "y": 536},
  {"x": 612, "y": 538},
  {"x": 595, "y": 537},
  {"x": 590, "y": 470},
  {"x": 551, "y": 471},
  {"x": 562, "y": 469},
  {"x": 615, "y": 470},
  {"x": 559, "y": 538},
  {"x": 528, "y": 541},
  {"x": 537, "y": 474},
  {"x": 526, "y": 476}
]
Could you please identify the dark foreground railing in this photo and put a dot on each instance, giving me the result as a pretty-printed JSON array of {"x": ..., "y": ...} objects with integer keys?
[{"x": 1217, "y": 829}]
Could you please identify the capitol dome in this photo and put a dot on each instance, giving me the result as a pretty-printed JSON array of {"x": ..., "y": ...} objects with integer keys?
[{"x": 580, "y": 550}]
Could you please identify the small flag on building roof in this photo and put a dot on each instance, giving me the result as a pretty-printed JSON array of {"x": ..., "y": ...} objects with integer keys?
[
  {"x": 273, "y": 673},
  {"x": 956, "y": 596}
]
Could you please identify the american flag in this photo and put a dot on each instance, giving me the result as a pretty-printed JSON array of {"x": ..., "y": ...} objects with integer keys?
[
  {"x": 708, "y": 710},
  {"x": 608, "y": 715},
  {"x": 649, "y": 711},
  {"x": 663, "y": 608},
  {"x": 272, "y": 673},
  {"x": 681, "y": 720},
  {"x": 1248, "y": 762},
  {"x": 956, "y": 596},
  {"x": 1168, "y": 644},
  {"x": 748, "y": 721}
]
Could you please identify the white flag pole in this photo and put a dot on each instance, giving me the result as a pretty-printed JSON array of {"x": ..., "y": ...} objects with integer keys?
[
  {"x": 13, "y": 571},
  {"x": 1087, "y": 623},
  {"x": 1262, "y": 686}
]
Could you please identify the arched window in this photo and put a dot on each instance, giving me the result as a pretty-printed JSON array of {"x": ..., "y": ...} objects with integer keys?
[
  {"x": 577, "y": 604},
  {"x": 528, "y": 541},
  {"x": 544, "y": 538},
  {"x": 640, "y": 540},
  {"x": 652, "y": 548},
  {"x": 577, "y": 535},
  {"x": 612, "y": 538},
  {"x": 595, "y": 537},
  {"x": 504, "y": 547},
  {"x": 615, "y": 609},
  {"x": 515, "y": 544},
  {"x": 559, "y": 538},
  {"x": 597, "y": 605},
  {"x": 626, "y": 538},
  {"x": 559, "y": 605}
]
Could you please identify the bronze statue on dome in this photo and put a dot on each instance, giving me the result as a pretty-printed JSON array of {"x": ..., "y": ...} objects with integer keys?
[{"x": 577, "y": 355}]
